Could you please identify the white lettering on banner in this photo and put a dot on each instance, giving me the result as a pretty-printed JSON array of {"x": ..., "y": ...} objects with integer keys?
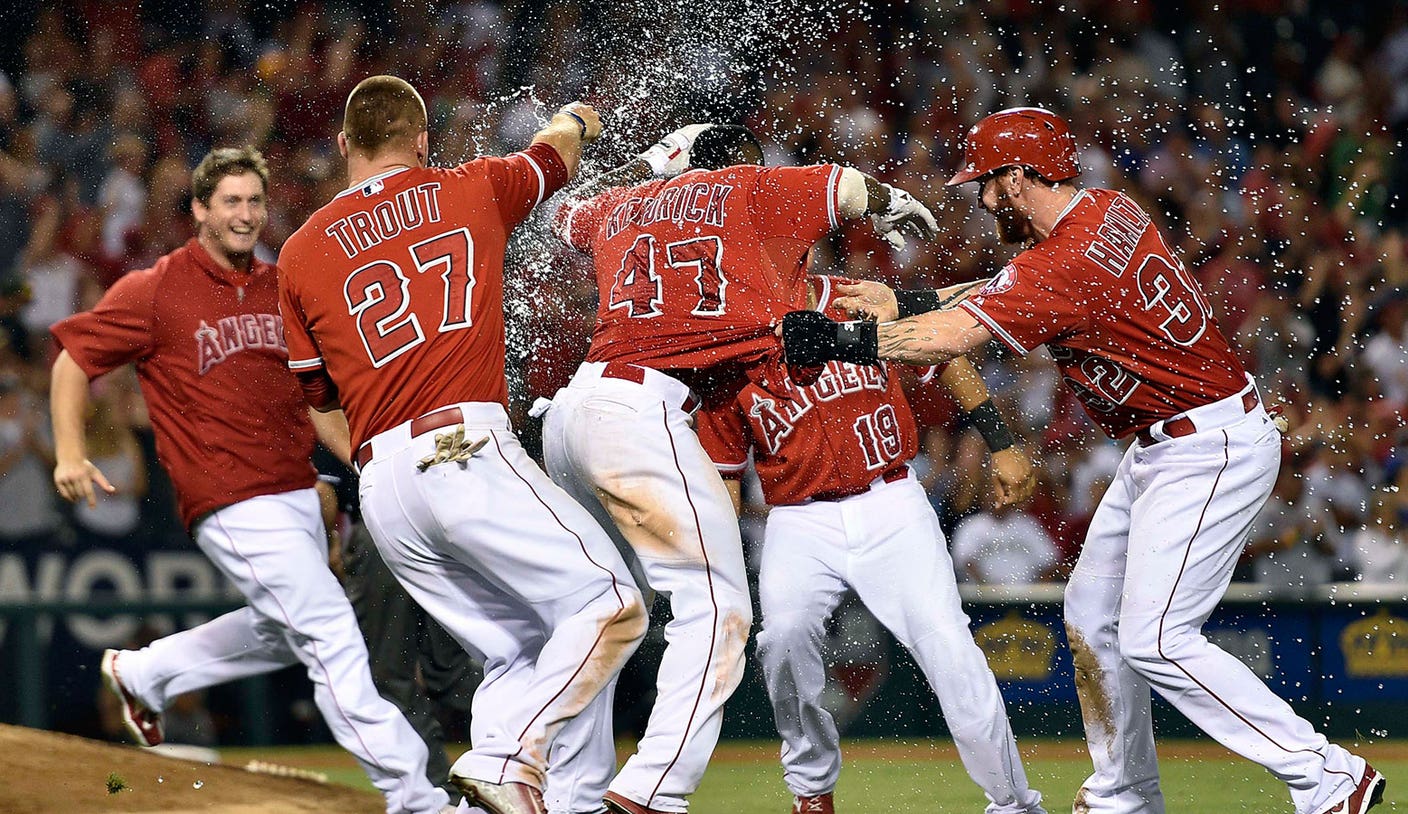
[
  {"x": 104, "y": 571},
  {"x": 107, "y": 575}
]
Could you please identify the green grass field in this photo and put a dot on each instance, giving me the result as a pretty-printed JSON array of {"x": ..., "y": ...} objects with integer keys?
[{"x": 925, "y": 777}]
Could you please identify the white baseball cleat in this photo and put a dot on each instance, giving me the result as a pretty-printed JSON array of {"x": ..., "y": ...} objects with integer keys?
[
  {"x": 1366, "y": 795},
  {"x": 500, "y": 798},
  {"x": 142, "y": 722}
]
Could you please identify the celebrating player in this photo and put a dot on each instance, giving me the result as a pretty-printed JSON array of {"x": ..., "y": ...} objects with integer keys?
[
  {"x": 203, "y": 328},
  {"x": 1135, "y": 339},
  {"x": 691, "y": 272},
  {"x": 847, "y": 514},
  {"x": 392, "y": 297}
]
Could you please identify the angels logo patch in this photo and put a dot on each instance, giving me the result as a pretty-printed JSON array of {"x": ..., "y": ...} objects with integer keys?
[{"x": 1004, "y": 280}]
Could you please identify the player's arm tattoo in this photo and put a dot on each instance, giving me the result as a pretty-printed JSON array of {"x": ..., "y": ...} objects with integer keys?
[
  {"x": 954, "y": 294},
  {"x": 910, "y": 341},
  {"x": 924, "y": 300},
  {"x": 927, "y": 339}
]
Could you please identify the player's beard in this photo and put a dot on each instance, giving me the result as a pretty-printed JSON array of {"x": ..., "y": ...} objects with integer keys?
[{"x": 1011, "y": 226}]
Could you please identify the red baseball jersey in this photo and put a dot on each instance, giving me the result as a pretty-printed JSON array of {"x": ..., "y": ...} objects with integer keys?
[
  {"x": 829, "y": 438},
  {"x": 1128, "y": 326},
  {"x": 395, "y": 287},
  {"x": 693, "y": 271},
  {"x": 208, "y": 343}
]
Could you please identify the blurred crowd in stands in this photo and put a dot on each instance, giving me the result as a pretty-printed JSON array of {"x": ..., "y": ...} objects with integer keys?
[{"x": 1264, "y": 137}]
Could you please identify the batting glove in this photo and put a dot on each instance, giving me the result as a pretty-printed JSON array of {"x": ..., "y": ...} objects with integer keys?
[
  {"x": 904, "y": 214},
  {"x": 811, "y": 338},
  {"x": 451, "y": 447},
  {"x": 669, "y": 156}
]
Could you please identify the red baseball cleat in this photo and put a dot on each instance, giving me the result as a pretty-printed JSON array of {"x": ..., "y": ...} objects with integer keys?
[
  {"x": 500, "y": 798},
  {"x": 143, "y": 723},
  {"x": 820, "y": 804},
  {"x": 616, "y": 804},
  {"x": 1366, "y": 795}
]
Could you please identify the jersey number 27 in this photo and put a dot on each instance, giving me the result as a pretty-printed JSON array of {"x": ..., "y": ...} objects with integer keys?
[
  {"x": 378, "y": 296},
  {"x": 639, "y": 289}
]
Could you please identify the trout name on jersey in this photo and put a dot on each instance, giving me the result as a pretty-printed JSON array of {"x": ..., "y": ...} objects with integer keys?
[
  {"x": 693, "y": 203},
  {"x": 364, "y": 229},
  {"x": 777, "y": 421},
  {"x": 234, "y": 334}
]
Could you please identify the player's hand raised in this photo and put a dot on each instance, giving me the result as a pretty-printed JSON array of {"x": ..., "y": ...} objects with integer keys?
[
  {"x": 585, "y": 117},
  {"x": 869, "y": 300},
  {"x": 904, "y": 215},
  {"x": 75, "y": 479},
  {"x": 1012, "y": 477},
  {"x": 670, "y": 155}
]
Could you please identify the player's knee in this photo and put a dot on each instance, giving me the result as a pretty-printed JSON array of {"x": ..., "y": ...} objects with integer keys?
[
  {"x": 1142, "y": 648},
  {"x": 632, "y": 619},
  {"x": 788, "y": 630},
  {"x": 737, "y": 612}
]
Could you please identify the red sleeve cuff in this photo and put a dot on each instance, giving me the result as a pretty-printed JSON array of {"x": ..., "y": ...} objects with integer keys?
[
  {"x": 69, "y": 337},
  {"x": 545, "y": 157},
  {"x": 318, "y": 389}
]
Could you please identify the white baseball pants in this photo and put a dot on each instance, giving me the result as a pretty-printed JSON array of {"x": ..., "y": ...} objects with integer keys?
[
  {"x": 273, "y": 548},
  {"x": 517, "y": 572},
  {"x": 1157, "y": 559},
  {"x": 887, "y": 545},
  {"x": 627, "y": 450}
]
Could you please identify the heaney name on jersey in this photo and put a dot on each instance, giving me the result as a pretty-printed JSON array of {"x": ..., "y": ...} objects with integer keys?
[
  {"x": 406, "y": 210},
  {"x": 692, "y": 203},
  {"x": 1118, "y": 237}
]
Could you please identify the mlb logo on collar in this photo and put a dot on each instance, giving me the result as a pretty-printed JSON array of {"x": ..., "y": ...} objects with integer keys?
[{"x": 373, "y": 187}]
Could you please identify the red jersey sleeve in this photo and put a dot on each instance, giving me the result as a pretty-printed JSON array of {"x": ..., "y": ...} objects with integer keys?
[
  {"x": 1028, "y": 304},
  {"x": 303, "y": 353},
  {"x": 523, "y": 180},
  {"x": 118, "y": 330},
  {"x": 796, "y": 202},
  {"x": 723, "y": 433},
  {"x": 577, "y": 222}
]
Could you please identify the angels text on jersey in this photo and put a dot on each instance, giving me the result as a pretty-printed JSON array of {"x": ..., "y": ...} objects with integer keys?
[
  {"x": 777, "y": 419},
  {"x": 237, "y": 333}
]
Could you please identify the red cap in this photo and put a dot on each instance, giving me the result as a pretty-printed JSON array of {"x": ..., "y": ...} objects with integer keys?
[{"x": 1020, "y": 136}]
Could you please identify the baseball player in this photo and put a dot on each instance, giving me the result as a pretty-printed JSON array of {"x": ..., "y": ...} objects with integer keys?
[
  {"x": 1135, "y": 339},
  {"x": 691, "y": 269},
  {"x": 203, "y": 328},
  {"x": 392, "y": 296},
  {"x": 832, "y": 457}
]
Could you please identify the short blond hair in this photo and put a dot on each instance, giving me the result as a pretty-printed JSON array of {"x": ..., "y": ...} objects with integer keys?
[{"x": 382, "y": 110}]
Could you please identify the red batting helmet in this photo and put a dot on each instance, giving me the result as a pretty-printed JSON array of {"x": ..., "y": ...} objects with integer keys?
[{"x": 1020, "y": 136}]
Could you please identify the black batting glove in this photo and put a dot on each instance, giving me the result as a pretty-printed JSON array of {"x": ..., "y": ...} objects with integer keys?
[{"x": 812, "y": 338}]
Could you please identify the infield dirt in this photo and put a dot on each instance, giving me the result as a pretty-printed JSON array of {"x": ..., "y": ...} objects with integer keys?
[{"x": 46, "y": 773}]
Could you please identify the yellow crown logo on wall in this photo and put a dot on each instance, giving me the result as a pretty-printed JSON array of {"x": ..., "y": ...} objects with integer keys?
[
  {"x": 1018, "y": 649},
  {"x": 1376, "y": 646}
]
